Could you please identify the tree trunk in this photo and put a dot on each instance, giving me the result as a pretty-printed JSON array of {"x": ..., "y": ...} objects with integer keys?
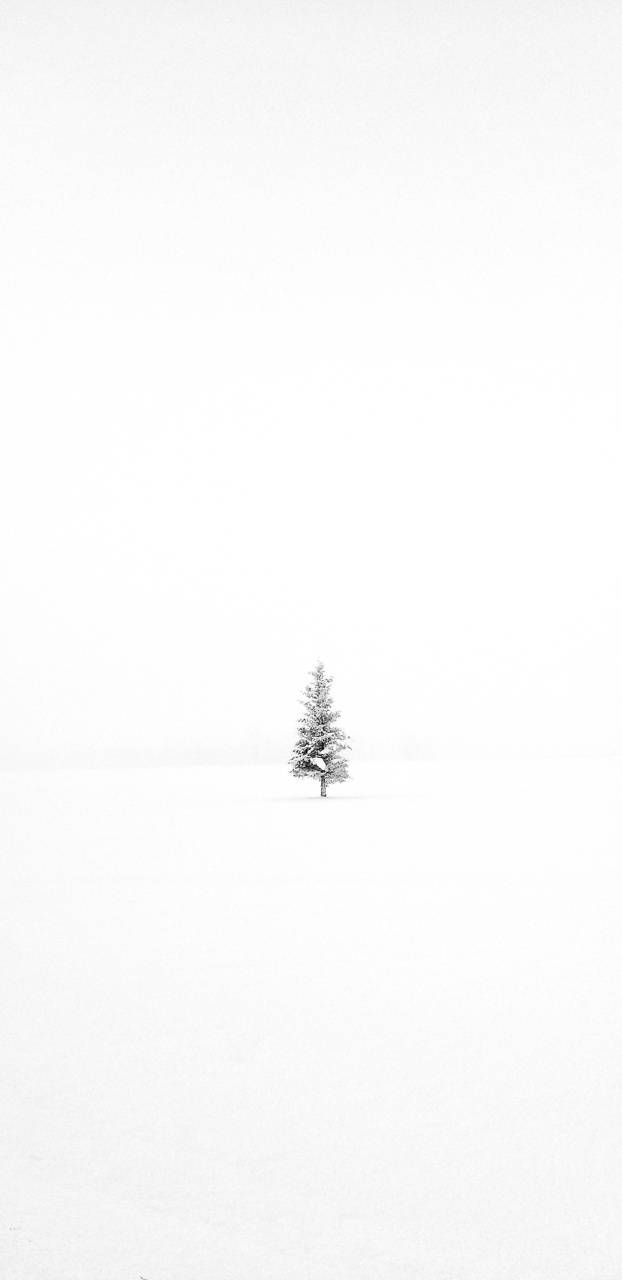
[{"x": 323, "y": 785}]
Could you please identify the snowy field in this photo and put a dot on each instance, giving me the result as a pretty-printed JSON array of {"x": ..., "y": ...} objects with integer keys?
[{"x": 253, "y": 1035}]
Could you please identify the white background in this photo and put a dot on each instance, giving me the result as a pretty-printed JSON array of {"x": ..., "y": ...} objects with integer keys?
[
  {"x": 311, "y": 334},
  {"x": 248, "y": 1032},
  {"x": 311, "y": 345}
]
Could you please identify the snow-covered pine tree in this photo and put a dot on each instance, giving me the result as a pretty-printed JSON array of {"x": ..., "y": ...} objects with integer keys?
[{"x": 321, "y": 744}]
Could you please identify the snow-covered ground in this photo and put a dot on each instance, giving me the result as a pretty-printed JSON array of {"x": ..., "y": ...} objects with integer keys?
[{"x": 248, "y": 1034}]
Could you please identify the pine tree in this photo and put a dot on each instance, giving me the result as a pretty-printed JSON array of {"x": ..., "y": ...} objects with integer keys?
[{"x": 321, "y": 744}]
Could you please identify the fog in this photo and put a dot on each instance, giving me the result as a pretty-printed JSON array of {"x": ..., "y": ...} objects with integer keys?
[{"x": 311, "y": 338}]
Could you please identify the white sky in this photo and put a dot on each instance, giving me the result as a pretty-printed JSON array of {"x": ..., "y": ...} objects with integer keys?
[{"x": 311, "y": 347}]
